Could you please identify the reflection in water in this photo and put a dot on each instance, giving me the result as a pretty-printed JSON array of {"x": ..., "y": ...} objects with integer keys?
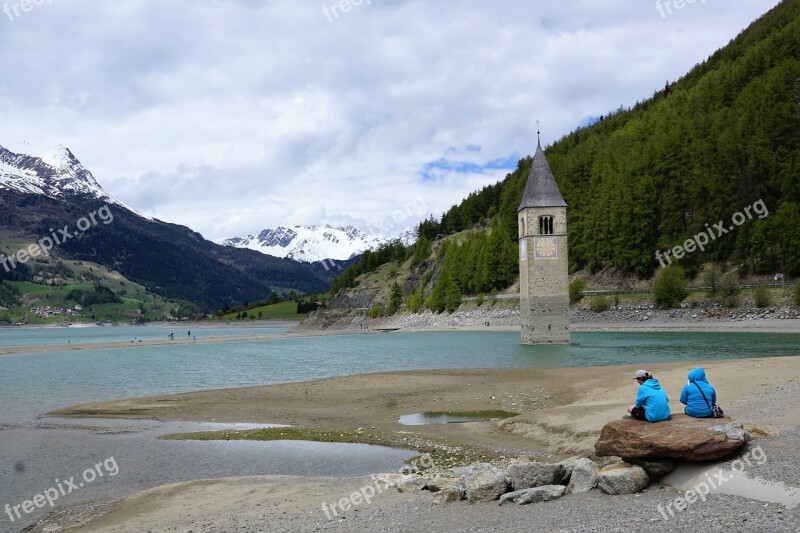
[
  {"x": 453, "y": 417},
  {"x": 704, "y": 479},
  {"x": 33, "y": 457}
]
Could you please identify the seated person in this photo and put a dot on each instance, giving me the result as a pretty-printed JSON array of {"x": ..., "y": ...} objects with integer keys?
[
  {"x": 698, "y": 395},
  {"x": 652, "y": 403}
]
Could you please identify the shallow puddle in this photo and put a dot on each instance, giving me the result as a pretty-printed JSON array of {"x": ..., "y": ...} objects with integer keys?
[
  {"x": 452, "y": 417},
  {"x": 715, "y": 480},
  {"x": 33, "y": 455}
]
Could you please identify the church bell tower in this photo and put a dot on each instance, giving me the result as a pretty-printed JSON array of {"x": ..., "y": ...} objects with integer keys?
[{"x": 543, "y": 261}]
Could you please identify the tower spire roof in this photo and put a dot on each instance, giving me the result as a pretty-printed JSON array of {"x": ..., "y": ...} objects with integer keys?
[{"x": 541, "y": 189}]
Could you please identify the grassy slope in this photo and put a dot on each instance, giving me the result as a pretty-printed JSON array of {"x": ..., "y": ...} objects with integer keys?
[
  {"x": 51, "y": 290},
  {"x": 381, "y": 279},
  {"x": 282, "y": 310}
]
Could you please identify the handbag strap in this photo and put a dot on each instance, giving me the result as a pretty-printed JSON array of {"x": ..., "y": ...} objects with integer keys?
[{"x": 704, "y": 395}]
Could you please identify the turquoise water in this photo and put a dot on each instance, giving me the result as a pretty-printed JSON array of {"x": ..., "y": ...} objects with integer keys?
[
  {"x": 32, "y": 384},
  {"x": 33, "y": 452},
  {"x": 94, "y": 334}
]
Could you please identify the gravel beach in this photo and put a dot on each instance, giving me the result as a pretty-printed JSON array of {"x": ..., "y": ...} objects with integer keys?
[{"x": 286, "y": 504}]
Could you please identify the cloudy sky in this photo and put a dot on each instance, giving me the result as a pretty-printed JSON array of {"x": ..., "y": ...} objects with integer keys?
[{"x": 230, "y": 116}]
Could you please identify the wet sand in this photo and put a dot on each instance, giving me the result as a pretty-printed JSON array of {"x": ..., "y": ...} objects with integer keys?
[
  {"x": 561, "y": 412},
  {"x": 19, "y": 350},
  {"x": 16, "y": 350}
]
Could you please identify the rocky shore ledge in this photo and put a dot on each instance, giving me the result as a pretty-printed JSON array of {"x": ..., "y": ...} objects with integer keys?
[
  {"x": 630, "y": 455},
  {"x": 504, "y": 315}
]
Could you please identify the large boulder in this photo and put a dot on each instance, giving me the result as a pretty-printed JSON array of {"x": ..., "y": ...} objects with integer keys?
[
  {"x": 534, "y": 495},
  {"x": 583, "y": 478},
  {"x": 732, "y": 430},
  {"x": 656, "y": 468},
  {"x": 485, "y": 482},
  {"x": 446, "y": 479},
  {"x": 622, "y": 479},
  {"x": 569, "y": 464},
  {"x": 450, "y": 493},
  {"x": 412, "y": 483},
  {"x": 386, "y": 481},
  {"x": 535, "y": 474},
  {"x": 681, "y": 437},
  {"x": 608, "y": 460}
]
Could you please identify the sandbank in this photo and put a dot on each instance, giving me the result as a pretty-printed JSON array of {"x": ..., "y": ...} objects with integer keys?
[{"x": 561, "y": 412}]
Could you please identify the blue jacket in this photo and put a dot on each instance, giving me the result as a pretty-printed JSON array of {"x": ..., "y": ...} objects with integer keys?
[
  {"x": 696, "y": 406},
  {"x": 654, "y": 399}
]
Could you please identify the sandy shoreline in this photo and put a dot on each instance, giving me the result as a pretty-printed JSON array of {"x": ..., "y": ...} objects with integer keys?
[
  {"x": 710, "y": 326},
  {"x": 561, "y": 412},
  {"x": 193, "y": 324},
  {"x": 18, "y": 350}
]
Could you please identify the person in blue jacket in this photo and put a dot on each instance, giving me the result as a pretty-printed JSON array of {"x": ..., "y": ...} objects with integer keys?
[
  {"x": 652, "y": 403},
  {"x": 696, "y": 405}
]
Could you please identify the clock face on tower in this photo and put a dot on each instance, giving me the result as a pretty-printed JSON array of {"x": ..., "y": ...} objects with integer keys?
[{"x": 545, "y": 247}]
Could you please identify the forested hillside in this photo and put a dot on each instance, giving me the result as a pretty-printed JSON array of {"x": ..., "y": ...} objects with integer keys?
[{"x": 649, "y": 177}]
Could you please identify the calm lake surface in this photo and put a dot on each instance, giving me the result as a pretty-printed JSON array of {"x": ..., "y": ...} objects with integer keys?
[
  {"x": 32, "y": 384},
  {"x": 93, "y": 334},
  {"x": 35, "y": 450}
]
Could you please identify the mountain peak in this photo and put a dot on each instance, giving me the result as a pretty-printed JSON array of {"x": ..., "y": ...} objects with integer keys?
[
  {"x": 56, "y": 174},
  {"x": 308, "y": 243},
  {"x": 60, "y": 157}
]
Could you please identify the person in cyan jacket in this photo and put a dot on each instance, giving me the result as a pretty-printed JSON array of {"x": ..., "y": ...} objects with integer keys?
[
  {"x": 652, "y": 403},
  {"x": 696, "y": 405}
]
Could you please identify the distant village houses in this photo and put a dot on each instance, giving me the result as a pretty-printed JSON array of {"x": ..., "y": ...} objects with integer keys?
[{"x": 48, "y": 311}]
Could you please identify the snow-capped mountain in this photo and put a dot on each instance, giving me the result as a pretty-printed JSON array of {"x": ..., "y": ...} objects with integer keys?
[
  {"x": 308, "y": 243},
  {"x": 57, "y": 175},
  {"x": 52, "y": 175},
  {"x": 39, "y": 193}
]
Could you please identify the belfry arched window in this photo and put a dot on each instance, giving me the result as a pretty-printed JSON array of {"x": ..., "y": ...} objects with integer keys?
[{"x": 546, "y": 225}]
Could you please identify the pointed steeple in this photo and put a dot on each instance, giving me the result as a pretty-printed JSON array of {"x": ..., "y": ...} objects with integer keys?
[{"x": 541, "y": 189}]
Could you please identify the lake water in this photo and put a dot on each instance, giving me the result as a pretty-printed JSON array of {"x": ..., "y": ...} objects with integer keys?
[
  {"x": 97, "y": 334},
  {"x": 34, "y": 451},
  {"x": 32, "y": 384}
]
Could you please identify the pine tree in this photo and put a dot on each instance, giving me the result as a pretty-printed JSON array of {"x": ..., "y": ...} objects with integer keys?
[{"x": 395, "y": 298}]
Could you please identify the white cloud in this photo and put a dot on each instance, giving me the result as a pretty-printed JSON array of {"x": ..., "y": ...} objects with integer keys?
[{"x": 230, "y": 116}]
